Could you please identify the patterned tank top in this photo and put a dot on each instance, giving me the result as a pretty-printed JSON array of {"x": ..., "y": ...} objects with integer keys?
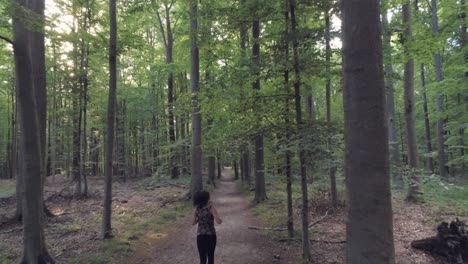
[{"x": 205, "y": 221}]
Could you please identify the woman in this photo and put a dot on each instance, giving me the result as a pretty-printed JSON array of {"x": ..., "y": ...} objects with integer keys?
[{"x": 205, "y": 214}]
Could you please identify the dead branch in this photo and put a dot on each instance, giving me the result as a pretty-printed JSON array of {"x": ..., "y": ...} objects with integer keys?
[
  {"x": 268, "y": 228},
  {"x": 319, "y": 220}
]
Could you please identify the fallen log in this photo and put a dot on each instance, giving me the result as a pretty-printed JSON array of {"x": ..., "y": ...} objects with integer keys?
[{"x": 451, "y": 242}]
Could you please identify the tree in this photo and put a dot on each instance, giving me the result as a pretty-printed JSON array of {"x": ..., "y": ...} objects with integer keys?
[
  {"x": 196, "y": 161},
  {"x": 332, "y": 169},
  {"x": 440, "y": 97},
  {"x": 392, "y": 129},
  {"x": 30, "y": 78},
  {"x": 287, "y": 121},
  {"x": 297, "y": 98},
  {"x": 106, "y": 231},
  {"x": 168, "y": 40},
  {"x": 260, "y": 190},
  {"x": 369, "y": 229},
  {"x": 413, "y": 157}
]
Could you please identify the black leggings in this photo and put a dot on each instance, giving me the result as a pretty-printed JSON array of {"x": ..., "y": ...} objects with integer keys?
[{"x": 206, "y": 248}]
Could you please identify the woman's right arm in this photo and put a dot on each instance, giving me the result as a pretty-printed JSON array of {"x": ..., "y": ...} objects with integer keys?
[{"x": 215, "y": 214}]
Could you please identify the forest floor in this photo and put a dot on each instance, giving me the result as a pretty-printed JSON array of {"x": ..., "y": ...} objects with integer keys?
[
  {"x": 236, "y": 244},
  {"x": 151, "y": 223}
]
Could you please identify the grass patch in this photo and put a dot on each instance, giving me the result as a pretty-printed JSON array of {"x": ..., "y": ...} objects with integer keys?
[
  {"x": 7, "y": 188},
  {"x": 448, "y": 198},
  {"x": 132, "y": 226},
  {"x": 273, "y": 211}
]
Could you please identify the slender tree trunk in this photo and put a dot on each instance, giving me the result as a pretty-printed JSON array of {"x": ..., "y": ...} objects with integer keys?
[
  {"x": 413, "y": 157},
  {"x": 211, "y": 163},
  {"x": 106, "y": 231},
  {"x": 440, "y": 98},
  {"x": 241, "y": 165},
  {"x": 170, "y": 95},
  {"x": 218, "y": 159},
  {"x": 287, "y": 121},
  {"x": 310, "y": 107},
  {"x": 464, "y": 40},
  {"x": 84, "y": 84},
  {"x": 369, "y": 228},
  {"x": 236, "y": 170},
  {"x": 392, "y": 128},
  {"x": 196, "y": 161},
  {"x": 332, "y": 169},
  {"x": 260, "y": 190},
  {"x": 246, "y": 159},
  {"x": 427, "y": 126},
  {"x": 297, "y": 96}
]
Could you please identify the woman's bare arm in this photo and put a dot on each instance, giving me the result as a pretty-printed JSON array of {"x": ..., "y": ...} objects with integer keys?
[
  {"x": 215, "y": 214},
  {"x": 194, "y": 217}
]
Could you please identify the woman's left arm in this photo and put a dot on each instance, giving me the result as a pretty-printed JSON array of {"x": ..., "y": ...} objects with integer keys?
[{"x": 194, "y": 217}]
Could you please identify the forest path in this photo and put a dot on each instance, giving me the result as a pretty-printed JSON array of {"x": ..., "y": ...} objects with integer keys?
[{"x": 236, "y": 244}]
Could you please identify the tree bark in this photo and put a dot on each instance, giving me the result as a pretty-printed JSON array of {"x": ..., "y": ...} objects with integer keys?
[
  {"x": 297, "y": 96},
  {"x": 30, "y": 78},
  {"x": 106, "y": 231},
  {"x": 369, "y": 228},
  {"x": 196, "y": 161},
  {"x": 332, "y": 169},
  {"x": 440, "y": 97},
  {"x": 413, "y": 158},
  {"x": 392, "y": 128},
  {"x": 218, "y": 159},
  {"x": 236, "y": 170},
  {"x": 287, "y": 121},
  {"x": 427, "y": 126},
  {"x": 260, "y": 190}
]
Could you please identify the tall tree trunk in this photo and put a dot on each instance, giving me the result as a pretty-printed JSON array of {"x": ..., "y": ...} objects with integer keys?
[
  {"x": 241, "y": 165},
  {"x": 427, "y": 126},
  {"x": 464, "y": 41},
  {"x": 211, "y": 161},
  {"x": 236, "y": 170},
  {"x": 287, "y": 121},
  {"x": 310, "y": 107},
  {"x": 332, "y": 169},
  {"x": 246, "y": 162},
  {"x": 260, "y": 190},
  {"x": 76, "y": 156},
  {"x": 183, "y": 134},
  {"x": 53, "y": 132},
  {"x": 392, "y": 127},
  {"x": 170, "y": 94},
  {"x": 84, "y": 85},
  {"x": 218, "y": 159},
  {"x": 369, "y": 229},
  {"x": 30, "y": 78},
  {"x": 413, "y": 157},
  {"x": 106, "y": 231},
  {"x": 196, "y": 161},
  {"x": 440, "y": 98},
  {"x": 297, "y": 96}
]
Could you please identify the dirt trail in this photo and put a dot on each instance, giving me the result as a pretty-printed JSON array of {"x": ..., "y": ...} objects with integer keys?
[{"x": 236, "y": 243}]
